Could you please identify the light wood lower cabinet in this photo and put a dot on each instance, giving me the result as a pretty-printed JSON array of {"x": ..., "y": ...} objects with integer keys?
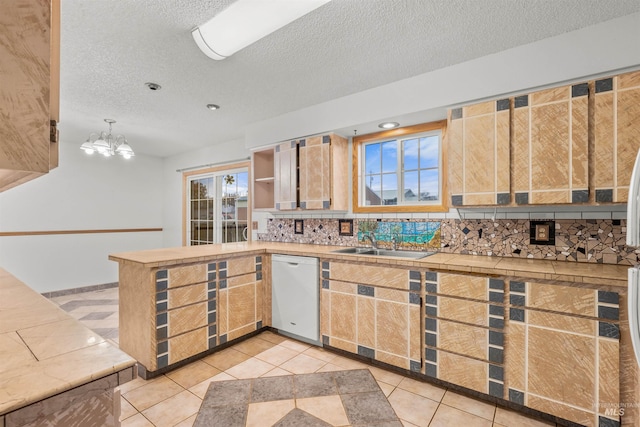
[
  {"x": 464, "y": 331},
  {"x": 562, "y": 354},
  {"x": 169, "y": 314},
  {"x": 373, "y": 312}
]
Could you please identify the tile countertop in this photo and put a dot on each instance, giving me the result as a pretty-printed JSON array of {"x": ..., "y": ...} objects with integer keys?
[
  {"x": 43, "y": 350},
  {"x": 593, "y": 275}
]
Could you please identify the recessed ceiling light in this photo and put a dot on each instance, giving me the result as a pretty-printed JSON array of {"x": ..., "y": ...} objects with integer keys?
[
  {"x": 213, "y": 107},
  {"x": 389, "y": 125},
  {"x": 153, "y": 86}
]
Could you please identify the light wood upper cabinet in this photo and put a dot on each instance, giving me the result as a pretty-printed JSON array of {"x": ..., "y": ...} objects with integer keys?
[
  {"x": 550, "y": 146},
  {"x": 478, "y": 143},
  {"x": 286, "y": 176},
  {"x": 309, "y": 173},
  {"x": 29, "y": 89},
  {"x": 324, "y": 172},
  {"x": 617, "y": 135}
]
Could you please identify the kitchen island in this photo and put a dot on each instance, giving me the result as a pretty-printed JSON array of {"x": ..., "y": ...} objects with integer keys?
[
  {"x": 545, "y": 336},
  {"x": 54, "y": 370}
]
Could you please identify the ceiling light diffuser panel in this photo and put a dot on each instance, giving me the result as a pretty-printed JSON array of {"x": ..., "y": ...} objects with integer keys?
[{"x": 246, "y": 21}]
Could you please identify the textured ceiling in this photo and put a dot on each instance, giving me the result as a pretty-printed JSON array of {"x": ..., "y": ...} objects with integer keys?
[{"x": 110, "y": 48}]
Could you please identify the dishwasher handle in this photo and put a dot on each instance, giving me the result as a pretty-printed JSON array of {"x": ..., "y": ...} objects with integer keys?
[{"x": 293, "y": 264}]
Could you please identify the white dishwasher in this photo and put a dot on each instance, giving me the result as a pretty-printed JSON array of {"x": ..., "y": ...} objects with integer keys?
[{"x": 295, "y": 296}]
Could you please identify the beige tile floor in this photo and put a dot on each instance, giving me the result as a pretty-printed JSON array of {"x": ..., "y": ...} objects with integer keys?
[{"x": 174, "y": 399}]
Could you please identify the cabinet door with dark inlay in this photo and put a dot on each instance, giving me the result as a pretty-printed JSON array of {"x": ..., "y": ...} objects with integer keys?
[
  {"x": 563, "y": 351},
  {"x": 374, "y": 314},
  {"x": 617, "y": 135},
  {"x": 550, "y": 146},
  {"x": 478, "y": 142}
]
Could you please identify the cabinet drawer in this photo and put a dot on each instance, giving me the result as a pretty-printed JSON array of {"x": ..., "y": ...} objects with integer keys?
[
  {"x": 187, "y": 345},
  {"x": 370, "y": 275},
  {"x": 187, "y": 295},
  {"x": 239, "y": 266},
  {"x": 181, "y": 276},
  {"x": 187, "y": 318}
]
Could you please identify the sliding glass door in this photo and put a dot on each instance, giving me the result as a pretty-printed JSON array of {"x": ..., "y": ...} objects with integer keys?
[{"x": 218, "y": 207}]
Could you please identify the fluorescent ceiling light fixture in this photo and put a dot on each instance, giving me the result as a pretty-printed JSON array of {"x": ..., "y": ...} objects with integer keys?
[{"x": 246, "y": 21}]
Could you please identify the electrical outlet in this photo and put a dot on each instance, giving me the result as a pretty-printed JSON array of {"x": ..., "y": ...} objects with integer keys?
[{"x": 542, "y": 232}]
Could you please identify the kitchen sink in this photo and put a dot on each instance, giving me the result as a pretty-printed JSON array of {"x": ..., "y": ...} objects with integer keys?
[{"x": 383, "y": 252}]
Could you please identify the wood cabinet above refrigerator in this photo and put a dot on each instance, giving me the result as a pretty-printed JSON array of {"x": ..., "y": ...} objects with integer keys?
[{"x": 29, "y": 89}]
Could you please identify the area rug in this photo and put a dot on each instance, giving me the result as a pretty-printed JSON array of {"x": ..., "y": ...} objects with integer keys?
[{"x": 311, "y": 400}]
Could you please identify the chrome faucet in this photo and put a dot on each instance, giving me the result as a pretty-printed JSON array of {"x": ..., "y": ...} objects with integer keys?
[{"x": 371, "y": 237}]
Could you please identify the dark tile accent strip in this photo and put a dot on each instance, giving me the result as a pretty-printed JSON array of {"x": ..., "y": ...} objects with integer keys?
[
  {"x": 326, "y": 139},
  {"x": 579, "y": 196},
  {"x": 367, "y": 291},
  {"x": 496, "y": 389},
  {"x": 325, "y": 340},
  {"x": 326, "y": 204},
  {"x": 259, "y": 275},
  {"x": 222, "y": 265},
  {"x": 496, "y": 338},
  {"x": 163, "y": 347},
  {"x": 522, "y": 198},
  {"x": 516, "y": 396},
  {"x": 503, "y": 198},
  {"x": 161, "y": 319},
  {"x": 431, "y": 311},
  {"x": 414, "y": 286},
  {"x": 211, "y": 266},
  {"x": 325, "y": 284},
  {"x": 431, "y": 276},
  {"x": 430, "y": 339},
  {"x": 430, "y": 324},
  {"x": 496, "y": 284},
  {"x": 414, "y": 298},
  {"x": 161, "y": 274},
  {"x": 604, "y": 196},
  {"x": 325, "y": 265},
  {"x": 161, "y": 296},
  {"x": 301, "y": 143},
  {"x": 162, "y": 333},
  {"x": 604, "y": 85},
  {"x": 517, "y": 286},
  {"x": 496, "y": 296},
  {"x": 211, "y": 305},
  {"x": 607, "y": 422},
  {"x": 581, "y": 89},
  {"x": 223, "y": 274},
  {"x": 259, "y": 324},
  {"x": 431, "y": 355},
  {"x": 496, "y": 310},
  {"x": 456, "y": 200},
  {"x": 161, "y": 285},
  {"x": 431, "y": 370},
  {"x": 223, "y": 284},
  {"x": 521, "y": 101},
  {"x": 211, "y": 317},
  {"x": 415, "y": 366},
  {"x": 516, "y": 314},
  {"x": 517, "y": 300},
  {"x": 431, "y": 299},
  {"x": 496, "y": 372},
  {"x": 496, "y": 323},
  {"x": 303, "y": 205},
  {"x": 610, "y": 313},
  {"x": 213, "y": 329},
  {"x": 366, "y": 352},
  {"x": 414, "y": 275},
  {"x": 431, "y": 288},
  {"x": 213, "y": 341},
  {"x": 223, "y": 339},
  {"x": 608, "y": 297},
  {"x": 609, "y": 330},
  {"x": 496, "y": 355},
  {"x": 163, "y": 361},
  {"x": 325, "y": 274},
  {"x": 502, "y": 104},
  {"x": 161, "y": 306},
  {"x": 456, "y": 113}
]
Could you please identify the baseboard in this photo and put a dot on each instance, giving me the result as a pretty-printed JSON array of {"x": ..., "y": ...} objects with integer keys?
[{"x": 80, "y": 290}]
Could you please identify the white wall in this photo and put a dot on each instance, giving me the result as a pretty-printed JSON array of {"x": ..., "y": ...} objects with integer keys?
[
  {"x": 84, "y": 192},
  {"x": 172, "y": 181}
]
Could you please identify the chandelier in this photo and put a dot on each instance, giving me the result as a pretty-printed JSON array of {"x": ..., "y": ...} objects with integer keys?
[{"x": 107, "y": 145}]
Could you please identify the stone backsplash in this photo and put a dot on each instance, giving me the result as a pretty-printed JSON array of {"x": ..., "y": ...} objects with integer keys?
[{"x": 586, "y": 240}]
